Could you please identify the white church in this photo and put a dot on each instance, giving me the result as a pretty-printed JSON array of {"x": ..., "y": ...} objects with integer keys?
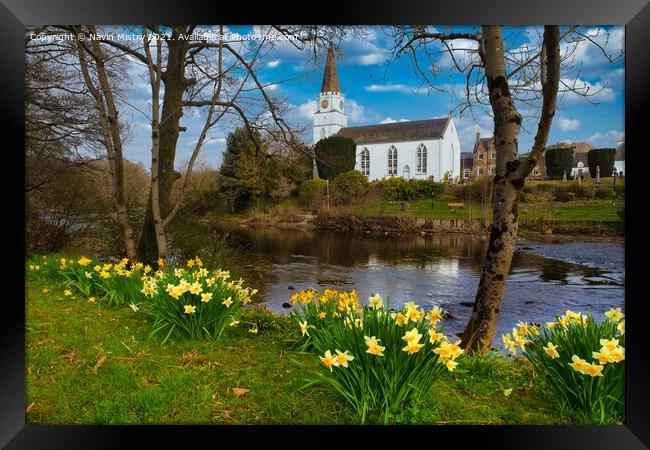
[{"x": 416, "y": 149}]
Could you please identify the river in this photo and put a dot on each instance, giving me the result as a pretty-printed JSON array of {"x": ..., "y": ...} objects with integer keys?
[{"x": 444, "y": 269}]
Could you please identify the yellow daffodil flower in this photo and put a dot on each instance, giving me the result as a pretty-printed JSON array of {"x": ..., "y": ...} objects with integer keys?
[
  {"x": 412, "y": 335},
  {"x": 92, "y": 299},
  {"x": 435, "y": 315},
  {"x": 609, "y": 345},
  {"x": 434, "y": 336},
  {"x": 328, "y": 361},
  {"x": 614, "y": 314},
  {"x": 227, "y": 302},
  {"x": 206, "y": 297},
  {"x": 412, "y": 347},
  {"x": 401, "y": 319},
  {"x": 196, "y": 288},
  {"x": 602, "y": 357},
  {"x": 67, "y": 292},
  {"x": 451, "y": 364},
  {"x": 190, "y": 263},
  {"x": 342, "y": 358},
  {"x": 135, "y": 308},
  {"x": 594, "y": 370},
  {"x": 189, "y": 309},
  {"x": 621, "y": 327},
  {"x": 322, "y": 315},
  {"x": 578, "y": 364},
  {"x": 551, "y": 350},
  {"x": 376, "y": 301},
  {"x": 303, "y": 328},
  {"x": 253, "y": 330},
  {"x": 84, "y": 261}
]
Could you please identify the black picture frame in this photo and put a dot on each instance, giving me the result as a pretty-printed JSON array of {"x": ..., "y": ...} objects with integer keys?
[{"x": 634, "y": 14}]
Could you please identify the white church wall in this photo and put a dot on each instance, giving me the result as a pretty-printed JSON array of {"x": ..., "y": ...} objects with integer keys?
[{"x": 406, "y": 156}]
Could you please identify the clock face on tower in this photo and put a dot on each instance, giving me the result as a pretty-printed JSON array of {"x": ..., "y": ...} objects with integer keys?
[{"x": 324, "y": 104}]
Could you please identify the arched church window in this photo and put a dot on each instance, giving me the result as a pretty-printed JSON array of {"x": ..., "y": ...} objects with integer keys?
[
  {"x": 322, "y": 133},
  {"x": 422, "y": 159},
  {"x": 392, "y": 160},
  {"x": 365, "y": 162}
]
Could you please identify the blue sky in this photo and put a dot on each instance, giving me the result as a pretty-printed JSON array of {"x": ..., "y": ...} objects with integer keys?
[{"x": 380, "y": 89}]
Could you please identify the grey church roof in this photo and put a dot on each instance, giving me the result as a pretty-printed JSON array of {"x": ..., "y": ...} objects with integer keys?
[
  {"x": 416, "y": 130},
  {"x": 620, "y": 152}
]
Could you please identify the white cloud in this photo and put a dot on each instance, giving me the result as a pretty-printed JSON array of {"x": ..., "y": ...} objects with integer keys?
[
  {"x": 464, "y": 52},
  {"x": 402, "y": 88},
  {"x": 391, "y": 120},
  {"x": 580, "y": 90},
  {"x": 273, "y": 64},
  {"x": 355, "y": 111},
  {"x": 306, "y": 110},
  {"x": 585, "y": 49},
  {"x": 611, "y": 137},
  {"x": 567, "y": 124}
]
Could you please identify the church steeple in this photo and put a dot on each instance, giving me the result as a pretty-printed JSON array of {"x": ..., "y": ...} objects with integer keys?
[
  {"x": 330, "y": 115},
  {"x": 330, "y": 78}
]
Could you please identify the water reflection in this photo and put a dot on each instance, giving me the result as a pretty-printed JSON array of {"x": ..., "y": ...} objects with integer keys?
[{"x": 432, "y": 269}]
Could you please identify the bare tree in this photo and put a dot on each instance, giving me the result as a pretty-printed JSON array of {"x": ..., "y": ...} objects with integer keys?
[{"x": 499, "y": 74}]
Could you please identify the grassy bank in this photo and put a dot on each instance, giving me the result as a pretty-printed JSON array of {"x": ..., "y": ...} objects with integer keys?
[
  {"x": 87, "y": 363},
  {"x": 568, "y": 211}
]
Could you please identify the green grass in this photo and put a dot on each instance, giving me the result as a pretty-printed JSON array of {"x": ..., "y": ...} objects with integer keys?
[
  {"x": 570, "y": 211},
  {"x": 191, "y": 382}
]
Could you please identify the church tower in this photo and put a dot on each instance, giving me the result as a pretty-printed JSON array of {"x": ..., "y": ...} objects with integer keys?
[{"x": 330, "y": 115}]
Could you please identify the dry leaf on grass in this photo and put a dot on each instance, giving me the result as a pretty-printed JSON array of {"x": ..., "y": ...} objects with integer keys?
[
  {"x": 238, "y": 392},
  {"x": 100, "y": 362}
]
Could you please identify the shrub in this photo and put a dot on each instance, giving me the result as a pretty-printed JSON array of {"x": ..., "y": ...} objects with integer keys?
[
  {"x": 559, "y": 160},
  {"x": 560, "y": 353},
  {"x": 312, "y": 193},
  {"x": 193, "y": 303},
  {"x": 379, "y": 363},
  {"x": 397, "y": 189},
  {"x": 476, "y": 191},
  {"x": 349, "y": 186},
  {"x": 334, "y": 155},
  {"x": 604, "y": 193},
  {"x": 603, "y": 157}
]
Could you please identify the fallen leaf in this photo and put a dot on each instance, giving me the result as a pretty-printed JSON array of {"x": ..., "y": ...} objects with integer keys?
[
  {"x": 238, "y": 392},
  {"x": 100, "y": 363},
  {"x": 29, "y": 408}
]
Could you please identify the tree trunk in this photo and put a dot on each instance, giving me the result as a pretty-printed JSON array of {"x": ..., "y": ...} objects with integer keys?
[
  {"x": 509, "y": 178},
  {"x": 172, "y": 110},
  {"x": 111, "y": 135},
  {"x": 480, "y": 329}
]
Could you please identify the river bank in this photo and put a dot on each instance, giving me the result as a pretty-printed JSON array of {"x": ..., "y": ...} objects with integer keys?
[{"x": 543, "y": 230}]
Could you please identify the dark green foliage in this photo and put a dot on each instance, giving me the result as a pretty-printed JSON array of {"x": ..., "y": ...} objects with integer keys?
[
  {"x": 348, "y": 187},
  {"x": 399, "y": 189},
  {"x": 573, "y": 190},
  {"x": 312, "y": 193},
  {"x": 247, "y": 172},
  {"x": 334, "y": 155},
  {"x": 603, "y": 157},
  {"x": 559, "y": 160}
]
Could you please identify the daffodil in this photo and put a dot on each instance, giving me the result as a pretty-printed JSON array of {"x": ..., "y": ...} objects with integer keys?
[
  {"x": 434, "y": 336},
  {"x": 579, "y": 364},
  {"x": 435, "y": 315},
  {"x": 253, "y": 329},
  {"x": 303, "y": 328},
  {"x": 92, "y": 299},
  {"x": 84, "y": 261},
  {"x": 621, "y": 327},
  {"x": 412, "y": 335},
  {"x": 322, "y": 315},
  {"x": 328, "y": 361},
  {"x": 161, "y": 262},
  {"x": 89, "y": 274},
  {"x": 67, "y": 292},
  {"x": 617, "y": 355},
  {"x": 227, "y": 302},
  {"x": 602, "y": 357},
  {"x": 551, "y": 350},
  {"x": 342, "y": 358},
  {"x": 189, "y": 309},
  {"x": 104, "y": 275},
  {"x": 609, "y": 344},
  {"x": 401, "y": 319},
  {"x": 594, "y": 370},
  {"x": 376, "y": 301},
  {"x": 451, "y": 364},
  {"x": 196, "y": 288},
  {"x": 373, "y": 346},
  {"x": 97, "y": 268},
  {"x": 206, "y": 297},
  {"x": 135, "y": 308},
  {"x": 614, "y": 314},
  {"x": 412, "y": 347},
  {"x": 233, "y": 322}
]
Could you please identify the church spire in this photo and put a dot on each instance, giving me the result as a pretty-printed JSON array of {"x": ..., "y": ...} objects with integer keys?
[{"x": 330, "y": 78}]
